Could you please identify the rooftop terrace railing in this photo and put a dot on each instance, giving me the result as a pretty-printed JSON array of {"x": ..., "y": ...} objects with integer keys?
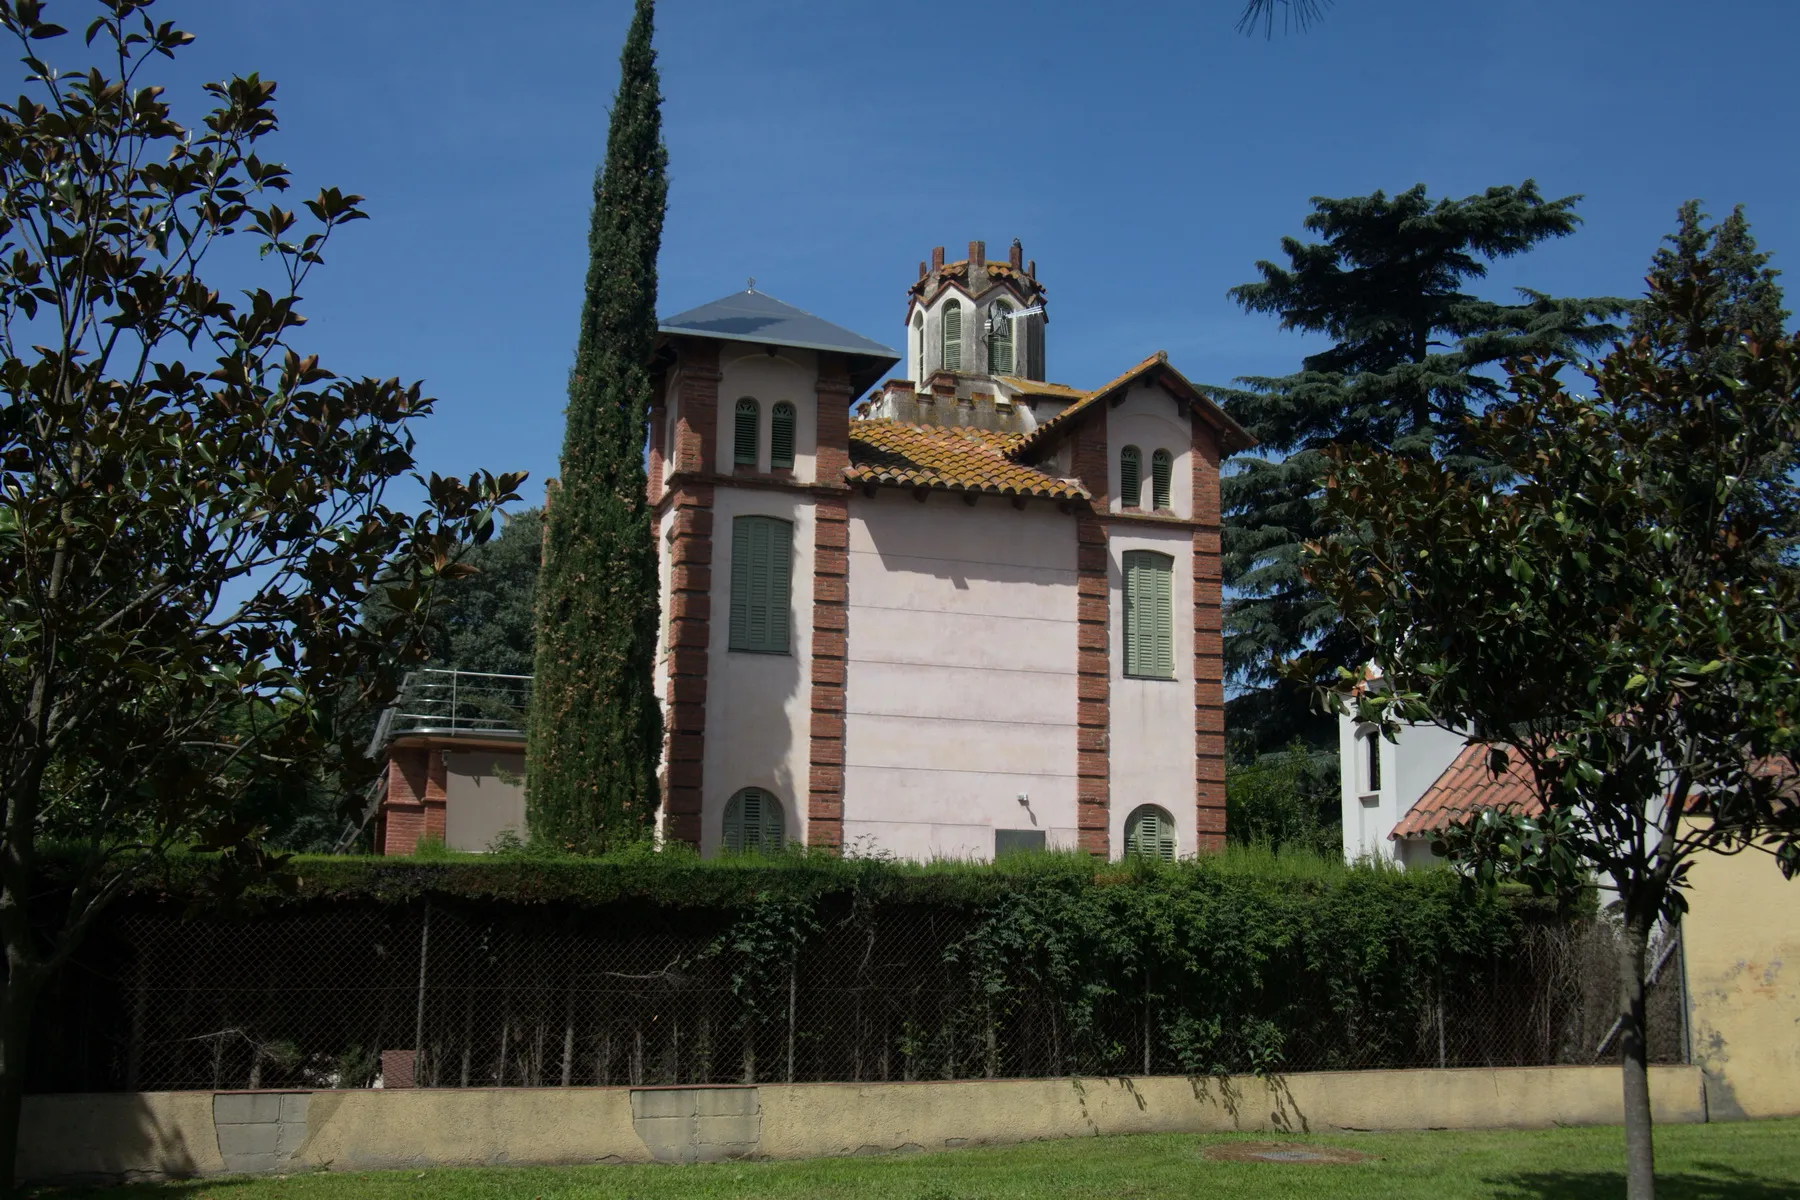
[{"x": 466, "y": 703}]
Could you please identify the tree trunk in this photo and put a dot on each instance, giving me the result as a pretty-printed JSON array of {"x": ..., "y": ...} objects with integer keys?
[
  {"x": 1634, "y": 1059},
  {"x": 17, "y": 998}
]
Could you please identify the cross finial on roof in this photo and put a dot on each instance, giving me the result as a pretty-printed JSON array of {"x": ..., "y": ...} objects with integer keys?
[{"x": 750, "y": 284}]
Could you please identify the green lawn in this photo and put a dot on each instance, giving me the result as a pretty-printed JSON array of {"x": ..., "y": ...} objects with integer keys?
[{"x": 1755, "y": 1161}]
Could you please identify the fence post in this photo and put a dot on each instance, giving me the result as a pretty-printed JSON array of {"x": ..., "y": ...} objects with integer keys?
[
  {"x": 419, "y": 1019},
  {"x": 793, "y": 996}
]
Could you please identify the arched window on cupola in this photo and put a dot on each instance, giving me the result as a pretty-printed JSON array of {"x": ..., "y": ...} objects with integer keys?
[
  {"x": 1000, "y": 338},
  {"x": 919, "y": 338},
  {"x": 951, "y": 326},
  {"x": 743, "y": 439},
  {"x": 1162, "y": 466},
  {"x": 1130, "y": 477},
  {"x": 781, "y": 437},
  {"x": 753, "y": 823}
]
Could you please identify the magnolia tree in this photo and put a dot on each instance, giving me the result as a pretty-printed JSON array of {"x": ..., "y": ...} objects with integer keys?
[
  {"x": 1614, "y": 619},
  {"x": 192, "y": 513}
]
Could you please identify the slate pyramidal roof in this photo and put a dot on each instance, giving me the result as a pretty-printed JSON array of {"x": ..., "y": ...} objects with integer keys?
[{"x": 751, "y": 316}]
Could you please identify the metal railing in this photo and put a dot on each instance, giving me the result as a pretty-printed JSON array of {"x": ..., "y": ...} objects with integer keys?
[{"x": 461, "y": 702}]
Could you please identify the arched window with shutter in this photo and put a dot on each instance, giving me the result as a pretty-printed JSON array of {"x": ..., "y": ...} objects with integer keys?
[
  {"x": 1150, "y": 833},
  {"x": 761, "y": 561},
  {"x": 1000, "y": 339},
  {"x": 919, "y": 338},
  {"x": 951, "y": 324},
  {"x": 1149, "y": 615},
  {"x": 753, "y": 823},
  {"x": 781, "y": 437},
  {"x": 1162, "y": 466},
  {"x": 1130, "y": 477},
  {"x": 743, "y": 438}
]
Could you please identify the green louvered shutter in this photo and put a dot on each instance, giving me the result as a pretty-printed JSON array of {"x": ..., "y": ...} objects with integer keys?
[
  {"x": 952, "y": 322},
  {"x": 743, "y": 443},
  {"x": 761, "y": 561},
  {"x": 1162, "y": 466},
  {"x": 781, "y": 437},
  {"x": 1150, "y": 833},
  {"x": 1149, "y": 615},
  {"x": 753, "y": 823},
  {"x": 1000, "y": 340},
  {"x": 740, "y": 584},
  {"x": 1130, "y": 477}
]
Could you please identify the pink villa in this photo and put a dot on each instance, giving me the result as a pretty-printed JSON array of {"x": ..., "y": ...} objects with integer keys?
[{"x": 976, "y": 613}]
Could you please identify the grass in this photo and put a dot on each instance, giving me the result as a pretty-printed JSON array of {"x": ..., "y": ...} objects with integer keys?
[{"x": 1751, "y": 1161}]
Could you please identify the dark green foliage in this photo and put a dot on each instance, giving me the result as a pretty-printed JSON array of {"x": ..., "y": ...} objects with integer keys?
[
  {"x": 1244, "y": 959},
  {"x": 1747, "y": 299},
  {"x": 1612, "y": 619},
  {"x": 1409, "y": 361},
  {"x": 595, "y": 727},
  {"x": 1288, "y": 799},
  {"x": 485, "y": 621}
]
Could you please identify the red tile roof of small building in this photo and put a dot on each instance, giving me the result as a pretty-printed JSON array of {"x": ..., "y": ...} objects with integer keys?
[
  {"x": 949, "y": 458},
  {"x": 1467, "y": 787}
]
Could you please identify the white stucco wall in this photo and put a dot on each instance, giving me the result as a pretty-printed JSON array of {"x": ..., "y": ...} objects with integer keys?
[
  {"x": 758, "y": 706},
  {"x": 1151, "y": 740},
  {"x": 790, "y": 375},
  {"x": 960, "y": 689},
  {"x": 1150, "y": 419},
  {"x": 1408, "y": 767}
]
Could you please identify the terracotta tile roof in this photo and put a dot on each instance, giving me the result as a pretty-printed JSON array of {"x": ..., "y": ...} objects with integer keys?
[
  {"x": 948, "y": 458},
  {"x": 1466, "y": 787}
]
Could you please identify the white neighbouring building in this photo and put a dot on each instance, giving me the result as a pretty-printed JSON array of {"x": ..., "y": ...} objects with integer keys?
[{"x": 979, "y": 613}]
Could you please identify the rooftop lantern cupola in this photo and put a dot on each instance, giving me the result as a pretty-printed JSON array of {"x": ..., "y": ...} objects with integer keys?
[{"x": 975, "y": 317}]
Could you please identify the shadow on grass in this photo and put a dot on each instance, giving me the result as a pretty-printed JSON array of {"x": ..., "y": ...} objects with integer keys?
[{"x": 1711, "y": 1181}]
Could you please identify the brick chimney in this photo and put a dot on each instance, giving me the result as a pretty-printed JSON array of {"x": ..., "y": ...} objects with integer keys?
[
  {"x": 937, "y": 259},
  {"x": 1015, "y": 257},
  {"x": 977, "y": 254}
]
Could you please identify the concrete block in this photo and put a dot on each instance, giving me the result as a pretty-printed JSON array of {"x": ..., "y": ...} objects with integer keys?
[
  {"x": 255, "y": 1164},
  {"x": 293, "y": 1108},
  {"x": 649, "y": 1103},
  {"x": 290, "y": 1136},
  {"x": 725, "y": 1102},
  {"x": 237, "y": 1140},
  {"x": 246, "y": 1108},
  {"x": 669, "y": 1139},
  {"x": 744, "y": 1130}
]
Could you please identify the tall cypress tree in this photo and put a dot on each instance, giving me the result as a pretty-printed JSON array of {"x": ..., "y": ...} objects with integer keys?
[
  {"x": 596, "y": 730},
  {"x": 1411, "y": 358}
]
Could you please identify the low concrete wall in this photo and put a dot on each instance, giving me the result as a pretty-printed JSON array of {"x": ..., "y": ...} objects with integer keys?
[{"x": 155, "y": 1134}]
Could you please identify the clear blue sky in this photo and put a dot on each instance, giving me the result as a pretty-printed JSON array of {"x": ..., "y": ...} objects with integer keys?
[{"x": 1145, "y": 152}]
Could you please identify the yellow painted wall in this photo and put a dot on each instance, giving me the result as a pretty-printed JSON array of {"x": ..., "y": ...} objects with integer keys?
[
  {"x": 173, "y": 1133},
  {"x": 1741, "y": 940}
]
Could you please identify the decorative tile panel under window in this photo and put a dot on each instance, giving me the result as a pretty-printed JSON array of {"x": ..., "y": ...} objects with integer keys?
[
  {"x": 1162, "y": 466},
  {"x": 761, "y": 563},
  {"x": 1130, "y": 477},
  {"x": 743, "y": 440},
  {"x": 1150, "y": 833},
  {"x": 753, "y": 823},
  {"x": 781, "y": 437},
  {"x": 1149, "y": 615},
  {"x": 1018, "y": 841}
]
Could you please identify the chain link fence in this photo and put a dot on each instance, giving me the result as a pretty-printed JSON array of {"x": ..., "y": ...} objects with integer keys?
[{"x": 462, "y": 994}]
